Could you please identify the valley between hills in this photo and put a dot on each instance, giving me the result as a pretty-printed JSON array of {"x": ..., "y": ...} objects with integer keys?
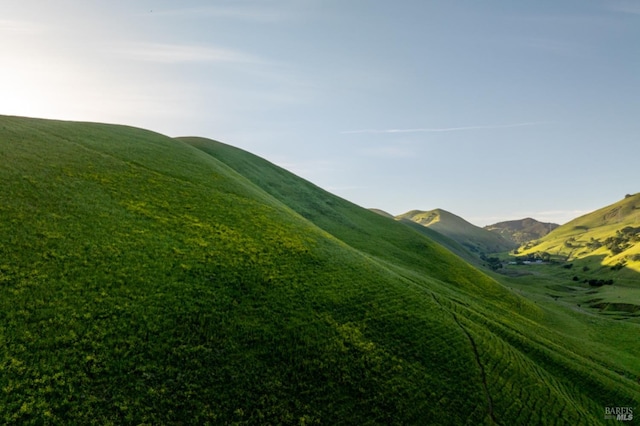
[{"x": 154, "y": 280}]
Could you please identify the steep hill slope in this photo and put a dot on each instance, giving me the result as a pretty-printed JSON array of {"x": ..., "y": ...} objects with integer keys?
[
  {"x": 382, "y": 213},
  {"x": 449, "y": 243},
  {"x": 361, "y": 229},
  {"x": 608, "y": 237},
  {"x": 446, "y": 242},
  {"x": 474, "y": 238},
  {"x": 380, "y": 237},
  {"x": 145, "y": 279},
  {"x": 521, "y": 231}
]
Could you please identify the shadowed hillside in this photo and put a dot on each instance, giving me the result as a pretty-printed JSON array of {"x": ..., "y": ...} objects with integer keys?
[
  {"x": 382, "y": 213},
  {"x": 474, "y": 238},
  {"x": 145, "y": 279}
]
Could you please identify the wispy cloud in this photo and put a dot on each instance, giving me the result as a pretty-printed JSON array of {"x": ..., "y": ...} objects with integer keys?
[
  {"x": 247, "y": 13},
  {"x": 20, "y": 27},
  {"x": 176, "y": 53},
  {"x": 445, "y": 129}
]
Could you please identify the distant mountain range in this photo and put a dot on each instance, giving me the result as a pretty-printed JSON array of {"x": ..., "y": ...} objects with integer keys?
[
  {"x": 499, "y": 237},
  {"x": 472, "y": 237},
  {"x": 609, "y": 236},
  {"x": 523, "y": 230}
]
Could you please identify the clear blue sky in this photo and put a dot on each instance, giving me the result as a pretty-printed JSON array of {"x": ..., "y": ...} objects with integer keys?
[{"x": 493, "y": 110}]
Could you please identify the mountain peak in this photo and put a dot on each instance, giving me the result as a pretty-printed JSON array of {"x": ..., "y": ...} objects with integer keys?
[{"x": 522, "y": 230}]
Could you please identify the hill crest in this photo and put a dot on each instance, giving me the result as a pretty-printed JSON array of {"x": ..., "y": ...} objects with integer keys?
[
  {"x": 522, "y": 230},
  {"x": 476, "y": 239}
]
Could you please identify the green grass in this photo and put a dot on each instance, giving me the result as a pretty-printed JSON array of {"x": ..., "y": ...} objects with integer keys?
[
  {"x": 586, "y": 238},
  {"x": 570, "y": 309},
  {"x": 475, "y": 239},
  {"x": 150, "y": 280}
]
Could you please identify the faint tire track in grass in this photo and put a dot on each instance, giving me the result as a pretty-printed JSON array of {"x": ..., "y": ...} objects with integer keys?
[{"x": 480, "y": 366}]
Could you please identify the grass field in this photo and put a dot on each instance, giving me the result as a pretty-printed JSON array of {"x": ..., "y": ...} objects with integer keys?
[
  {"x": 150, "y": 280},
  {"x": 618, "y": 298}
]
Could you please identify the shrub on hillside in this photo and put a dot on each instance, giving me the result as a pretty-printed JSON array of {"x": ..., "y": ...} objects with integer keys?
[
  {"x": 598, "y": 282},
  {"x": 618, "y": 266}
]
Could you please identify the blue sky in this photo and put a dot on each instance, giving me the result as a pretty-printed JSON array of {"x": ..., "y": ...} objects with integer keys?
[{"x": 493, "y": 110}]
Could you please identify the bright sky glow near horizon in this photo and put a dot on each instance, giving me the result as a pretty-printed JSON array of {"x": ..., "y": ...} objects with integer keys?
[{"x": 492, "y": 110}]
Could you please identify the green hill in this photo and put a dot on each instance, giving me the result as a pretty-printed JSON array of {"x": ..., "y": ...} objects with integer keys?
[
  {"x": 522, "y": 231},
  {"x": 474, "y": 238},
  {"x": 382, "y": 213},
  {"x": 607, "y": 237},
  {"x": 446, "y": 242},
  {"x": 150, "y": 280}
]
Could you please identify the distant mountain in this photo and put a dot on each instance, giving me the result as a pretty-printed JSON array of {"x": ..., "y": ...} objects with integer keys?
[
  {"x": 472, "y": 237},
  {"x": 523, "y": 230},
  {"x": 608, "y": 236}
]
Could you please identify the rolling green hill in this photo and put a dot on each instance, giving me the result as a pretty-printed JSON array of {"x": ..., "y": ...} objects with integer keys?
[
  {"x": 523, "y": 230},
  {"x": 382, "y": 213},
  {"x": 446, "y": 242},
  {"x": 474, "y": 238},
  {"x": 151, "y": 280},
  {"x": 602, "y": 239}
]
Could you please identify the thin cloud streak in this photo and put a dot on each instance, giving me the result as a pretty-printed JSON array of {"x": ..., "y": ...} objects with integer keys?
[
  {"x": 259, "y": 14},
  {"x": 176, "y": 53},
  {"x": 20, "y": 27},
  {"x": 444, "y": 129}
]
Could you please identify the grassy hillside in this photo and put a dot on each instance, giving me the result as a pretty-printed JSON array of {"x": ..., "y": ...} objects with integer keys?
[
  {"x": 474, "y": 238},
  {"x": 521, "y": 231},
  {"x": 145, "y": 279},
  {"x": 446, "y": 242},
  {"x": 368, "y": 232},
  {"x": 599, "y": 260},
  {"x": 608, "y": 237},
  {"x": 382, "y": 213}
]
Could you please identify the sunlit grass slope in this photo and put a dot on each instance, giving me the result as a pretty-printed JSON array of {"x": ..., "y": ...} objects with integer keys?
[
  {"x": 385, "y": 241},
  {"x": 474, "y": 238},
  {"x": 144, "y": 280},
  {"x": 607, "y": 237}
]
